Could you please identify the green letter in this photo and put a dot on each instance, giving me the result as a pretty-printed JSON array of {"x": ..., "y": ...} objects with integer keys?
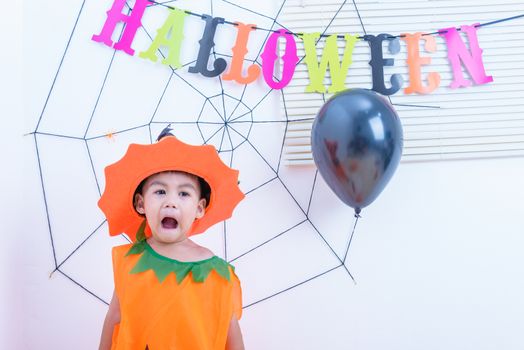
[
  {"x": 175, "y": 25},
  {"x": 330, "y": 57}
]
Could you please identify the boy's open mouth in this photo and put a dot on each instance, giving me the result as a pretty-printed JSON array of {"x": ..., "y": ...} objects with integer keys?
[{"x": 169, "y": 223}]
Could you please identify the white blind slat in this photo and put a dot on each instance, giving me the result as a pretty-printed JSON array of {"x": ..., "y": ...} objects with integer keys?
[{"x": 478, "y": 121}]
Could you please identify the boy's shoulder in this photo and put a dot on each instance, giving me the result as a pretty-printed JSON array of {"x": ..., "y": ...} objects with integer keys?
[{"x": 199, "y": 252}]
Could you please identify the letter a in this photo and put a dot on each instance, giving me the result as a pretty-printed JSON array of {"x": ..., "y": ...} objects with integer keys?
[{"x": 174, "y": 24}]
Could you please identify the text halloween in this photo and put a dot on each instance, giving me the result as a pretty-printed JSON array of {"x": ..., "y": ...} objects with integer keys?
[{"x": 171, "y": 35}]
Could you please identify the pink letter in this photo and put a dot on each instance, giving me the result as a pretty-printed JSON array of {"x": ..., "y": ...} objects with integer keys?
[
  {"x": 457, "y": 52},
  {"x": 269, "y": 57},
  {"x": 132, "y": 23}
]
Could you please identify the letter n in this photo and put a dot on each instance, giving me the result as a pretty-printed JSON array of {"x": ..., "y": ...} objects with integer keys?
[{"x": 457, "y": 52}]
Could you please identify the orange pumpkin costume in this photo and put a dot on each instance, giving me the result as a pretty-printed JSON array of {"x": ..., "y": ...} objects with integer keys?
[
  {"x": 164, "y": 303},
  {"x": 193, "y": 314}
]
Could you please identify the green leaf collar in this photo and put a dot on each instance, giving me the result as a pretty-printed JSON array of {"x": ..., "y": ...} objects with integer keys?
[{"x": 163, "y": 266}]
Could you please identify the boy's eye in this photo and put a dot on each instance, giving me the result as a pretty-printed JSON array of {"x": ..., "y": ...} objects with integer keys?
[
  {"x": 184, "y": 194},
  {"x": 160, "y": 192}
]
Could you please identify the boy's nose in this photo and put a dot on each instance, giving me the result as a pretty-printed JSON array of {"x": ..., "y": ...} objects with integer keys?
[{"x": 171, "y": 202}]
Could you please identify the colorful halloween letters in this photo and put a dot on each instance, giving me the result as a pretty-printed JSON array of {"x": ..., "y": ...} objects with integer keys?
[{"x": 170, "y": 35}]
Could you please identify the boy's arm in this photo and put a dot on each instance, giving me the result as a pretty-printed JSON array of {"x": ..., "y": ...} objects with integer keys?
[
  {"x": 234, "y": 336},
  {"x": 112, "y": 318}
]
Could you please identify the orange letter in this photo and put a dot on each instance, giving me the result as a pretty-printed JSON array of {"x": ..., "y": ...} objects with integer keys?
[
  {"x": 239, "y": 52},
  {"x": 415, "y": 61}
]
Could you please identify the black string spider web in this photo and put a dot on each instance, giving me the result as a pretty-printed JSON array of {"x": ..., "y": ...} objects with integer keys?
[{"x": 285, "y": 207}]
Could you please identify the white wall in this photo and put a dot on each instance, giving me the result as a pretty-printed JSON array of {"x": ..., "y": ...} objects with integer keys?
[
  {"x": 437, "y": 258},
  {"x": 10, "y": 176}
]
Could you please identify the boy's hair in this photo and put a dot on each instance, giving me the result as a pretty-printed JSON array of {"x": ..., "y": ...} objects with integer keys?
[{"x": 205, "y": 189}]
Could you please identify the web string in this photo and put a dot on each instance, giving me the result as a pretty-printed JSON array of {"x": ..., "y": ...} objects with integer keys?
[{"x": 228, "y": 129}]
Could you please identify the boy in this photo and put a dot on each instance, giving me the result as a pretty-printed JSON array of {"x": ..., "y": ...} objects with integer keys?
[{"x": 170, "y": 293}]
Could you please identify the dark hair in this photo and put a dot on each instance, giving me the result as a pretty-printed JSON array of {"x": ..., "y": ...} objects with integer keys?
[{"x": 205, "y": 190}]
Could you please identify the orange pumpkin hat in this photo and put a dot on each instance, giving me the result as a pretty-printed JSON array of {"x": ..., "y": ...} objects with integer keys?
[{"x": 168, "y": 154}]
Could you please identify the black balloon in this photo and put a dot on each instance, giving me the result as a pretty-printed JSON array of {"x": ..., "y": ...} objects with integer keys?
[{"x": 356, "y": 142}]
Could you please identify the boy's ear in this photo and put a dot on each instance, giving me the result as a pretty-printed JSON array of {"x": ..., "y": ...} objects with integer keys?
[
  {"x": 201, "y": 209},
  {"x": 139, "y": 204}
]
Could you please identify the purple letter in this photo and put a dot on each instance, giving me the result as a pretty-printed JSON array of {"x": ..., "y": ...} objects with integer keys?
[
  {"x": 457, "y": 52},
  {"x": 269, "y": 57},
  {"x": 132, "y": 21}
]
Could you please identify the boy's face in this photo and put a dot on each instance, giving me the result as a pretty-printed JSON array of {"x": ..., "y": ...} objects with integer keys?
[{"x": 171, "y": 202}]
